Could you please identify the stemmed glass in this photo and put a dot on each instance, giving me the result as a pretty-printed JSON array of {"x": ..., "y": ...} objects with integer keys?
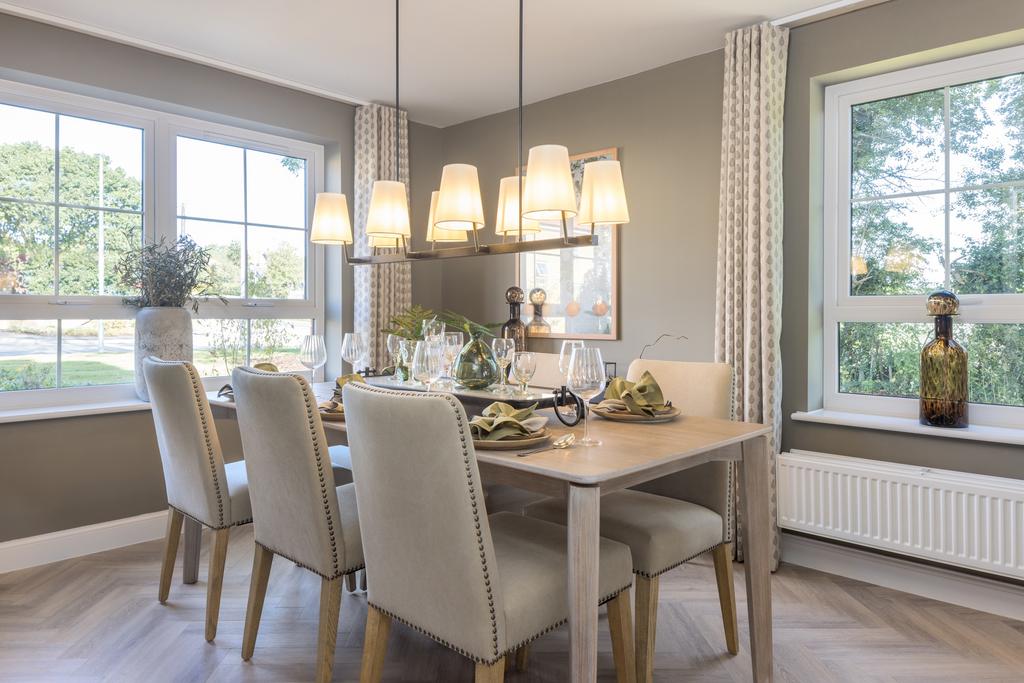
[
  {"x": 433, "y": 330},
  {"x": 452, "y": 346},
  {"x": 313, "y": 353},
  {"x": 586, "y": 378},
  {"x": 524, "y": 365},
  {"x": 394, "y": 345},
  {"x": 566, "y": 353},
  {"x": 427, "y": 362},
  {"x": 353, "y": 349},
  {"x": 503, "y": 349}
]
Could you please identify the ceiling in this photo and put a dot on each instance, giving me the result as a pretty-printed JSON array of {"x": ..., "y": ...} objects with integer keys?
[{"x": 458, "y": 57}]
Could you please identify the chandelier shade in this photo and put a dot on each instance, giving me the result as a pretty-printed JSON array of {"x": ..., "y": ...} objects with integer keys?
[
  {"x": 389, "y": 210},
  {"x": 435, "y": 234},
  {"x": 548, "y": 193},
  {"x": 331, "y": 224},
  {"x": 507, "y": 220},
  {"x": 459, "y": 206},
  {"x": 603, "y": 197}
]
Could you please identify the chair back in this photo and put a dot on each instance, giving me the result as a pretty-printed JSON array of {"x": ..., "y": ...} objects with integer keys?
[
  {"x": 702, "y": 390},
  {"x": 186, "y": 435},
  {"x": 426, "y": 538},
  {"x": 291, "y": 484}
]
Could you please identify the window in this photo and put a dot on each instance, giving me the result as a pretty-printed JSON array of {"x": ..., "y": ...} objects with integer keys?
[
  {"x": 83, "y": 181},
  {"x": 924, "y": 189}
]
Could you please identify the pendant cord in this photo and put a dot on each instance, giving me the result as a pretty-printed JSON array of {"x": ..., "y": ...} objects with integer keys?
[
  {"x": 520, "y": 172},
  {"x": 397, "y": 110}
]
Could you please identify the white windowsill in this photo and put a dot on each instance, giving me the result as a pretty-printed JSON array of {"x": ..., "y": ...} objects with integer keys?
[
  {"x": 76, "y": 410},
  {"x": 908, "y": 425}
]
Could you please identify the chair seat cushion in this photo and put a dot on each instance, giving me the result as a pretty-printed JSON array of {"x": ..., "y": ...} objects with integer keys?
[
  {"x": 533, "y": 573},
  {"x": 661, "y": 532},
  {"x": 350, "y": 528},
  {"x": 238, "y": 492}
]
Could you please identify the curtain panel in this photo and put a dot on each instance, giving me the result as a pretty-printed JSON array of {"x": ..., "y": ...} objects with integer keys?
[
  {"x": 381, "y": 291},
  {"x": 749, "y": 288}
]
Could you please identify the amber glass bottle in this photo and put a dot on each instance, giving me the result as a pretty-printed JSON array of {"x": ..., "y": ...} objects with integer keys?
[
  {"x": 515, "y": 328},
  {"x": 944, "y": 394}
]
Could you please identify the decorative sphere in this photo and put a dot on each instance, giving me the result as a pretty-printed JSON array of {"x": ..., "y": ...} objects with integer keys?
[
  {"x": 943, "y": 302},
  {"x": 600, "y": 308},
  {"x": 515, "y": 295},
  {"x": 538, "y": 296},
  {"x": 572, "y": 309}
]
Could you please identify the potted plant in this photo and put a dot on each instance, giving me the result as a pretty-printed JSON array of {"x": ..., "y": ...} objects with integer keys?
[{"x": 169, "y": 278}]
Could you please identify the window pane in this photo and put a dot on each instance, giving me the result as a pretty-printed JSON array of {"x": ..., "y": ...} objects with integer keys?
[
  {"x": 85, "y": 269},
  {"x": 995, "y": 359},
  {"x": 218, "y": 346},
  {"x": 897, "y": 246},
  {"x": 28, "y": 354},
  {"x": 26, "y": 248},
  {"x": 100, "y": 164},
  {"x": 210, "y": 180},
  {"x": 224, "y": 242},
  {"x": 987, "y": 131},
  {"x": 277, "y": 189},
  {"x": 277, "y": 263},
  {"x": 278, "y": 342},
  {"x": 897, "y": 145},
  {"x": 95, "y": 352},
  {"x": 26, "y": 153},
  {"x": 986, "y": 233},
  {"x": 881, "y": 359}
]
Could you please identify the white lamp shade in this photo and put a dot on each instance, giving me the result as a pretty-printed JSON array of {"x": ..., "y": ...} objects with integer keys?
[
  {"x": 435, "y": 234},
  {"x": 382, "y": 242},
  {"x": 603, "y": 198},
  {"x": 549, "y": 191},
  {"x": 389, "y": 210},
  {"x": 331, "y": 224},
  {"x": 507, "y": 220},
  {"x": 459, "y": 206}
]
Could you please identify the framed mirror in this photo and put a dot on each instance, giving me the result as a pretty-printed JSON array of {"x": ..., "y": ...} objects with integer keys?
[{"x": 572, "y": 293}]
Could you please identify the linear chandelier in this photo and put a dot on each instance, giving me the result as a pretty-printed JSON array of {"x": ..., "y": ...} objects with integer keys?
[{"x": 545, "y": 193}]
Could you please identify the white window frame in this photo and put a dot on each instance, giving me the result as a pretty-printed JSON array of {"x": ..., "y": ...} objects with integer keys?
[
  {"x": 839, "y": 304},
  {"x": 160, "y": 131}
]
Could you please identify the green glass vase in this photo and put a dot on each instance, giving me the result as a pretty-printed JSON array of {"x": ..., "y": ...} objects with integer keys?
[{"x": 475, "y": 367}]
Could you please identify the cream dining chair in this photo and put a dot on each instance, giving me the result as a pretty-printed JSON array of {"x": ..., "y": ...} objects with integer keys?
[
  {"x": 482, "y": 586},
  {"x": 673, "y": 519},
  {"x": 299, "y": 513}
]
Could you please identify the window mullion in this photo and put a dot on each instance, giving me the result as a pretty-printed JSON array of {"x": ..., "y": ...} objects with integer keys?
[
  {"x": 948, "y": 137},
  {"x": 56, "y": 208}
]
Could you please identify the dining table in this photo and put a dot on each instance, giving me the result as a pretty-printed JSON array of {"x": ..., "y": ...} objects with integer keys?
[{"x": 629, "y": 454}]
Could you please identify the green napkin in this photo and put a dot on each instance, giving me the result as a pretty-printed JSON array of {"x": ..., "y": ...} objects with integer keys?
[
  {"x": 502, "y": 421},
  {"x": 266, "y": 367},
  {"x": 340, "y": 383},
  {"x": 639, "y": 398}
]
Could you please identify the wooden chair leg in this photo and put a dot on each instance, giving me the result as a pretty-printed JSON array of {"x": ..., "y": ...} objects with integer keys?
[
  {"x": 375, "y": 645},
  {"x": 261, "y": 562},
  {"x": 490, "y": 673},
  {"x": 327, "y": 637},
  {"x": 522, "y": 658},
  {"x": 174, "y": 520},
  {"x": 350, "y": 582},
  {"x": 215, "y": 581},
  {"x": 727, "y": 595},
  {"x": 620, "y": 623},
  {"x": 646, "y": 626}
]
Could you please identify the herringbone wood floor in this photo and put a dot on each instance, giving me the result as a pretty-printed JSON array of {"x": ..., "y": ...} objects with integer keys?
[{"x": 97, "y": 619}]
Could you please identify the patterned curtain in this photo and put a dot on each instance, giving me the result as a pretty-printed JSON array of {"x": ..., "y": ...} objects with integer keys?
[
  {"x": 749, "y": 293},
  {"x": 381, "y": 291}
]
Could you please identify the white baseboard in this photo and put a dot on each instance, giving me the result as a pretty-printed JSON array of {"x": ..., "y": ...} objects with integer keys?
[
  {"x": 22, "y": 553},
  {"x": 957, "y": 588}
]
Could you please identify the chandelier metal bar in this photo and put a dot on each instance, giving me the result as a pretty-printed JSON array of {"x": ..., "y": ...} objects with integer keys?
[{"x": 483, "y": 250}]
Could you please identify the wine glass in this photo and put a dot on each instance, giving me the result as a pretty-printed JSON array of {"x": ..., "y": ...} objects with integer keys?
[
  {"x": 453, "y": 342},
  {"x": 503, "y": 349},
  {"x": 313, "y": 353},
  {"x": 426, "y": 362},
  {"x": 433, "y": 330},
  {"x": 585, "y": 378},
  {"x": 524, "y": 364},
  {"x": 394, "y": 345},
  {"x": 353, "y": 348},
  {"x": 566, "y": 353}
]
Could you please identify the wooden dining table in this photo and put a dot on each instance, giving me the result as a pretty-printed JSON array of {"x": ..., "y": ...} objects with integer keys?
[{"x": 632, "y": 454}]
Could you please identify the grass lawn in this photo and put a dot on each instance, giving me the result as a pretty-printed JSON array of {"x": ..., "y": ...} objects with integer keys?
[{"x": 73, "y": 373}]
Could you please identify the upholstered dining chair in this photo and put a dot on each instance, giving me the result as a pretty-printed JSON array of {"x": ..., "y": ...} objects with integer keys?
[
  {"x": 673, "y": 519},
  {"x": 299, "y": 513},
  {"x": 482, "y": 586},
  {"x": 198, "y": 482}
]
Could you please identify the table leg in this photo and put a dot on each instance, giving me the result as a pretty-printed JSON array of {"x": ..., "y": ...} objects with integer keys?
[
  {"x": 193, "y": 540},
  {"x": 757, "y": 543},
  {"x": 584, "y": 537}
]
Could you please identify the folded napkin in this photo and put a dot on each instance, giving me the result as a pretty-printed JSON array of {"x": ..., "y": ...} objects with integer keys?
[
  {"x": 335, "y": 405},
  {"x": 266, "y": 367},
  {"x": 502, "y": 421},
  {"x": 228, "y": 392},
  {"x": 639, "y": 398}
]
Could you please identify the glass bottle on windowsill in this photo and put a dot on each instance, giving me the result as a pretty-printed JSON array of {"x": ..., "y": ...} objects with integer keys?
[
  {"x": 944, "y": 392},
  {"x": 515, "y": 328}
]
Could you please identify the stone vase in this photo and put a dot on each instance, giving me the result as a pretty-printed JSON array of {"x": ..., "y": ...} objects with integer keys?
[{"x": 162, "y": 332}]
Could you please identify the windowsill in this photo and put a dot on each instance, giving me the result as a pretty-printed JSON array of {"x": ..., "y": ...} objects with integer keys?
[
  {"x": 906, "y": 425},
  {"x": 76, "y": 410}
]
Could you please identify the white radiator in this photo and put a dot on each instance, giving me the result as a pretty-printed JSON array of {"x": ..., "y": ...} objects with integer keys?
[{"x": 969, "y": 520}]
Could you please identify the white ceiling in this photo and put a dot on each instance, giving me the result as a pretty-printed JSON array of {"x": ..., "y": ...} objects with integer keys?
[{"x": 458, "y": 56}]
